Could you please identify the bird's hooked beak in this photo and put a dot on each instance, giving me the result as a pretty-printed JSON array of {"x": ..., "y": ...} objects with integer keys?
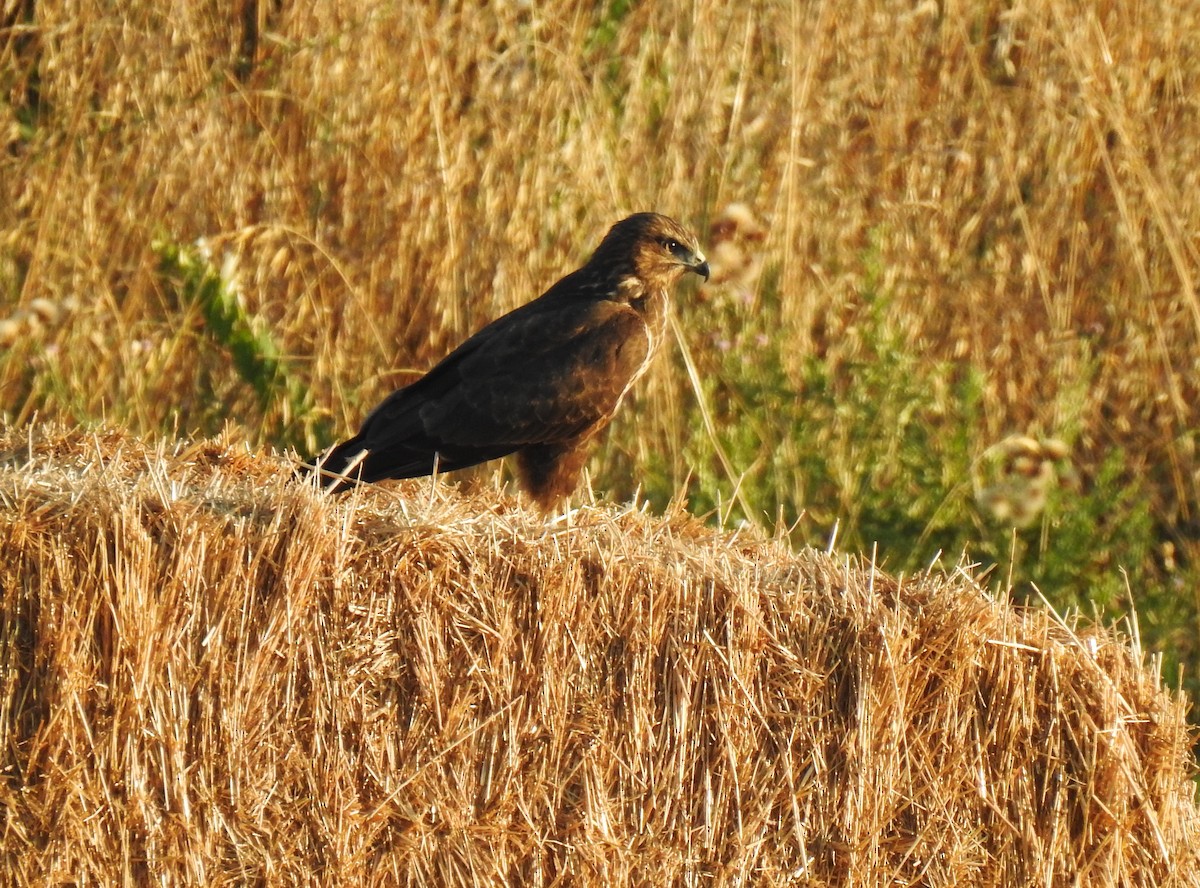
[{"x": 699, "y": 265}]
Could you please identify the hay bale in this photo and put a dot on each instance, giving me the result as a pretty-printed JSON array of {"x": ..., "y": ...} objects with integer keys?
[{"x": 213, "y": 675}]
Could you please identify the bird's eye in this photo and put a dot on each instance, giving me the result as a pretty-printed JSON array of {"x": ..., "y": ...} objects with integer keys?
[{"x": 670, "y": 246}]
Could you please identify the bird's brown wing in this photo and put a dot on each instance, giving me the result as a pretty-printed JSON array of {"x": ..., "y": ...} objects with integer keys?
[{"x": 534, "y": 376}]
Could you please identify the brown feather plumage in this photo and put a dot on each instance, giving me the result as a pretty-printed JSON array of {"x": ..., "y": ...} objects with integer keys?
[{"x": 543, "y": 381}]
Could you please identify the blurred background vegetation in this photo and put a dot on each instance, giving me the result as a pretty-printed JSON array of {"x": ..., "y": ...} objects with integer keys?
[{"x": 955, "y": 250}]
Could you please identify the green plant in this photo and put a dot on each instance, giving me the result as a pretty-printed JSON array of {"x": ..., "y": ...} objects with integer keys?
[
  {"x": 885, "y": 449},
  {"x": 256, "y": 357}
]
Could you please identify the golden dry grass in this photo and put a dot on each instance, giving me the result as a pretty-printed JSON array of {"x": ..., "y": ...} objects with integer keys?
[
  {"x": 1016, "y": 178},
  {"x": 216, "y": 678},
  {"x": 212, "y": 675},
  {"x": 1011, "y": 181}
]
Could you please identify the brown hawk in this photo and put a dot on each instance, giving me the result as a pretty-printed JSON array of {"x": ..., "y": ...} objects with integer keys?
[{"x": 543, "y": 381}]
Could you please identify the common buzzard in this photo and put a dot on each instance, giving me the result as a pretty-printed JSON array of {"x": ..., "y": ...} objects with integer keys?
[{"x": 543, "y": 381}]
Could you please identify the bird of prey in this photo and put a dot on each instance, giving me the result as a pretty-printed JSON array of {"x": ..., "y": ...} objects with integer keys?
[{"x": 542, "y": 381}]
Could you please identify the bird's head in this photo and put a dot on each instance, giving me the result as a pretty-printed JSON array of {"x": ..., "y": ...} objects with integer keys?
[{"x": 655, "y": 248}]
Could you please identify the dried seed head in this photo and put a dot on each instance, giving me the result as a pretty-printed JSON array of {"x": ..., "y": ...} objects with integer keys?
[
  {"x": 10, "y": 331},
  {"x": 45, "y": 310},
  {"x": 1056, "y": 448},
  {"x": 1021, "y": 445}
]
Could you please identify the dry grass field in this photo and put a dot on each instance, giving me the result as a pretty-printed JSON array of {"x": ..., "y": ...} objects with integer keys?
[
  {"x": 212, "y": 675},
  {"x": 953, "y": 309},
  {"x": 935, "y": 226}
]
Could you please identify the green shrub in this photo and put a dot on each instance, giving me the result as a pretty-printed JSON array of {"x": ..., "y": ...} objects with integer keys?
[{"x": 885, "y": 449}]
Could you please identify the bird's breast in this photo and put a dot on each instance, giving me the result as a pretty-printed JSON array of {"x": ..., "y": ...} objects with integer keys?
[{"x": 652, "y": 307}]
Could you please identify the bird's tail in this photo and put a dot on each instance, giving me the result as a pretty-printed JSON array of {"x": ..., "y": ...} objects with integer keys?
[{"x": 364, "y": 459}]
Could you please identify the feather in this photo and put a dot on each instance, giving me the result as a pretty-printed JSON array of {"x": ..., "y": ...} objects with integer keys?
[{"x": 543, "y": 381}]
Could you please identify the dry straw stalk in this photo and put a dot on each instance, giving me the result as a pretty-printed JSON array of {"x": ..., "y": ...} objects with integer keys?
[{"x": 212, "y": 675}]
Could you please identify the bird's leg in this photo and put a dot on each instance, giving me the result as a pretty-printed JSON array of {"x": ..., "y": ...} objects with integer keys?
[{"x": 549, "y": 472}]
